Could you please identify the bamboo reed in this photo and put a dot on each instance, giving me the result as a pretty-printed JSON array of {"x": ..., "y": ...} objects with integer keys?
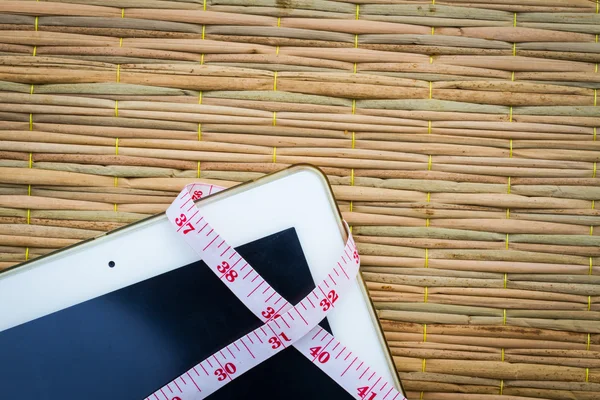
[{"x": 460, "y": 139}]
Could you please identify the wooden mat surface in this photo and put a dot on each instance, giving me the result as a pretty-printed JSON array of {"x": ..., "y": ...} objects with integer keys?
[{"x": 460, "y": 137}]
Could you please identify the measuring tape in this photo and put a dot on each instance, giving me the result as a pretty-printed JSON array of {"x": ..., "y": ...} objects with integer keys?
[{"x": 285, "y": 325}]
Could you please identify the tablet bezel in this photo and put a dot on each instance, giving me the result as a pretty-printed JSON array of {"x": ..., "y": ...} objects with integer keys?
[{"x": 298, "y": 197}]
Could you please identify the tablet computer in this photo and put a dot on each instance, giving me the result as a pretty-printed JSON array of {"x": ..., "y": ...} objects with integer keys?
[{"x": 121, "y": 315}]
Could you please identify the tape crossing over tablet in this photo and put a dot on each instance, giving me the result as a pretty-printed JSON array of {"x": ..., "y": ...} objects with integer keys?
[{"x": 147, "y": 306}]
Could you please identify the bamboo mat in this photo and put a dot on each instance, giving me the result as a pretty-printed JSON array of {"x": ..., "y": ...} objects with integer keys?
[{"x": 459, "y": 136}]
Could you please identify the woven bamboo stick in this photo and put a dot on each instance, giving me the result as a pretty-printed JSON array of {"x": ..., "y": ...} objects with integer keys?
[{"x": 460, "y": 139}]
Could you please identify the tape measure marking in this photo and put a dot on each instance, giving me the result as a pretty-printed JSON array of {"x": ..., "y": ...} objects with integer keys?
[{"x": 303, "y": 333}]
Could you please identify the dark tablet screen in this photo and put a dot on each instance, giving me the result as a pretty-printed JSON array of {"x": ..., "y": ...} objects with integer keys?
[{"x": 129, "y": 343}]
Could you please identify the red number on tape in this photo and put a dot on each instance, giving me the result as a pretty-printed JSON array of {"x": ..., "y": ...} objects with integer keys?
[
  {"x": 325, "y": 304},
  {"x": 189, "y": 229},
  {"x": 228, "y": 369},
  {"x": 268, "y": 313},
  {"x": 322, "y": 356},
  {"x": 332, "y": 296},
  {"x": 197, "y": 194},
  {"x": 223, "y": 267},
  {"x": 275, "y": 342},
  {"x": 362, "y": 392},
  {"x": 231, "y": 275},
  {"x": 181, "y": 220},
  {"x": 176, "y": 398}
]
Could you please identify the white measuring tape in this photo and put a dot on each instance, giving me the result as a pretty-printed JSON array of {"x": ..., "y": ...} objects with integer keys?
[{"x": 285, "y": 325}]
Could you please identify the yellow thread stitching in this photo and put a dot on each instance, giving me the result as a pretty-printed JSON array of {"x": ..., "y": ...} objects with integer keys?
[
  {"x": 204, "y": 8},
  {"x": 508, "y": 213},
  {"x": 429, "y": 127},
  {"x": 501, "y": 385},
  {"x": 122, "y": 13},
  {"x": 504, "y": 317},
  {"x": 430, "y": 59},
  {"x": 433, "y": 30},
  {"x": 508, "y": 186},
  {"x": 354, "y": 67},
  {"x": 357, "y": 10},
  {"x": 278, "y": 22},
  {"x": 116, "y": 108},
  {"x": 515, "y": 20},
  {"x": 200, "y": 97},
  {"x": 34, "y": 50},
  {"x": 274, "y": 118},
  {"x": 510, "y": 114},
  {"x": 423, "y": 364},
  {"x": 277, "y": 53},
  {"x": 594, "y": 127},
  {"x": 428, "y": 197},
  {"x": 120, "y": 42},
  {"x": 587, "y": 374},
  {"x": 353, "y": 106},
  {"x": 597, "y": 8},
  {"x": 425, "y": 300},
  {"x": 507, "y": 241},
  {"x": 502, "y": 354},
  {"x": 426, "y": 258},
  {"x": 353, "y": 139},
  {"x": 198, "y": 174},
  {"x": 421, "y": 396},
  {"x": 424, "y": 332},
  {"x": 589, "y": 303},
  {"x": 118, "y": 73},
  {"x": 429, "y": 164},
  {"x": 199, "y": 131},
  {"x": 275, "y": 82},
  {"x": 116, "y": 146},
  {"x": 427, "y": 223},
  {"x": 430, "y": 90},
  {"x": 591, "y": 266},
  {"x": 595, "y": 96},
  {"x": 116, "y": 181},
  {"x": 588, "y": 342},
  {"x": 512, "y": 76},
  {"x": 511, "y": 148},
  {"x": 203, "y": 31},
  {"x": 31, "y": 89},
  {"x": 505, "y": 277},
  {"x": 591, "y": 230},
  {"x": 356, "y": 41},
  {"x": 36, "y": 23},
  {"x": 352, "y": 177},
  {"x": 274, "y": 154},
  {"x": 29, "y": 210},
  {"x": 30, "y": 122},
  {"x": 594, "y": 172}
]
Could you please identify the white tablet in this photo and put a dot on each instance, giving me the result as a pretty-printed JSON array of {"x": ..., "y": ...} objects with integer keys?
[{"x": 121, "y": 315}]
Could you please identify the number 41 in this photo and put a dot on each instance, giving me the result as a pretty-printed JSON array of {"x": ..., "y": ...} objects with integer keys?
[{"x": 362, "y": 392}]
